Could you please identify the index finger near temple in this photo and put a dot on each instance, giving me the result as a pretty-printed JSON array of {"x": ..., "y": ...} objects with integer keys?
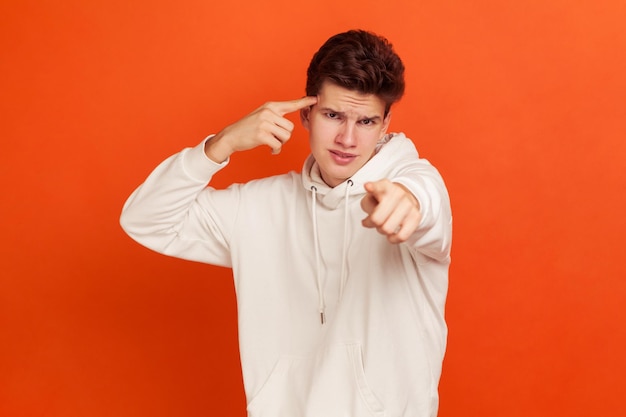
[{"x": 284, "y": 107}]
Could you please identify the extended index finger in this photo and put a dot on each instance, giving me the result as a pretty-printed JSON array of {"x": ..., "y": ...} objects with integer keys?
[
  {"x": 377, "y": 188},
  {"x": 284, "y": 107}
]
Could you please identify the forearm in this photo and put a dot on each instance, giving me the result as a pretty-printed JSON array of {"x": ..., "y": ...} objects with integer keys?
[{"x": 158, "y": 209}]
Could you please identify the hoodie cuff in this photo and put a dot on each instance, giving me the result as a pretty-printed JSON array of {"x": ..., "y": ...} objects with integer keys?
[
  {"x": 198, "y": 165},
  {"x": 419, "y": 195}
]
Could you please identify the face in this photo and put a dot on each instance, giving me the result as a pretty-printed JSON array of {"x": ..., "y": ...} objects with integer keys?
[{"x": 344, "y": 128}]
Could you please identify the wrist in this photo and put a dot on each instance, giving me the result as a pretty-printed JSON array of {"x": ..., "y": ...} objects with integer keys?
[{"x": 217, "y": 149}]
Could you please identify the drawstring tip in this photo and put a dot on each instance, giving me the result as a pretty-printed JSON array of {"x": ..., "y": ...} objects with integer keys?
[{"x": 322, "y": 317}]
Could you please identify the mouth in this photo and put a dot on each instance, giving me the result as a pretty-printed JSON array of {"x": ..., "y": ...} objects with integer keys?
[{"x": 342, "y": 158}]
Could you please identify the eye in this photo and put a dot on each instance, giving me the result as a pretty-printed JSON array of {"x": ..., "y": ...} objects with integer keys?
[
  {"x": 368, "y": 122},
  {"x": 331, "y": 115}
]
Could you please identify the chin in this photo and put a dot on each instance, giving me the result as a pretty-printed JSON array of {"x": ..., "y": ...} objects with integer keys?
[{"x": 341, "y": 177}]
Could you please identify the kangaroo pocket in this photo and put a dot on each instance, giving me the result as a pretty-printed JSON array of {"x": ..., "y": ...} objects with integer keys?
[{"x": 331, "y": 383}]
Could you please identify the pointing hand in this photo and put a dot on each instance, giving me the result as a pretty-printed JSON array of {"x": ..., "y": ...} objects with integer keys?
[{"x": 392, "y": 209}]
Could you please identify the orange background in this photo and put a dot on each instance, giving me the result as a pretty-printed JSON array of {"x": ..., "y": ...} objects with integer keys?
[{"x": 519, "y": 104}]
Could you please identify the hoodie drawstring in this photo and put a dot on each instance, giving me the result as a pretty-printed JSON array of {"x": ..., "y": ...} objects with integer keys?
[
  {"x": 344, "y": 252},
  {"x": 320, "y": 289}
]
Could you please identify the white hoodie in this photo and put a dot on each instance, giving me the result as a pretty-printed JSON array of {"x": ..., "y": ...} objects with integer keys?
[{"x": 299, "y": 252}]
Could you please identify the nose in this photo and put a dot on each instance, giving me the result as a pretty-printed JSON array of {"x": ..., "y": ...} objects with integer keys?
[{"x": 346, "y": 135}]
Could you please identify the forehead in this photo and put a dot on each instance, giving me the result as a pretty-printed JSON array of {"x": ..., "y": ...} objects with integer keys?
[{"x": 340, "y": 99}]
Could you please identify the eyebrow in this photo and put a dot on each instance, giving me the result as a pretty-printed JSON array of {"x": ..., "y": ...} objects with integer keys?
[{"x": 340, "y": 113}]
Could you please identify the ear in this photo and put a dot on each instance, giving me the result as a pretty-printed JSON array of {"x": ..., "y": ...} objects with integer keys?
[{"x": 305, "y": 114}]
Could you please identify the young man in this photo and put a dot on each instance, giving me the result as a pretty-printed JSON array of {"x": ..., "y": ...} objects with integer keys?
[{"x": 341, "y": 270}]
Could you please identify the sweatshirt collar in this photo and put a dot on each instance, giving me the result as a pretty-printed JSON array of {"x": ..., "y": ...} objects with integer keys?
[{"x": 379, "y": 166}]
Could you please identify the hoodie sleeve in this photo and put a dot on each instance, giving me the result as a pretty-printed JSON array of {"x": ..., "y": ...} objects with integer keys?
[
  {"x": 433, "y": 237},
  {"x": 172, "y": 211}
]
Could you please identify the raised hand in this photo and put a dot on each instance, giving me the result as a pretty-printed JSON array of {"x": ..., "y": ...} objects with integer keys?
[
  {"x": 264, "y": 126},
  {"x": 392, "y": 209}
]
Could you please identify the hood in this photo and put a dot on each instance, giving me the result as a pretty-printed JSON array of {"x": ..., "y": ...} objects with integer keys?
[{"x": 391, "y": 151}]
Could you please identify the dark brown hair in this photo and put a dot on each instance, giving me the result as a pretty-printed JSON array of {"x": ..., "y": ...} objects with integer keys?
[{"x": 360, "y": 61}]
